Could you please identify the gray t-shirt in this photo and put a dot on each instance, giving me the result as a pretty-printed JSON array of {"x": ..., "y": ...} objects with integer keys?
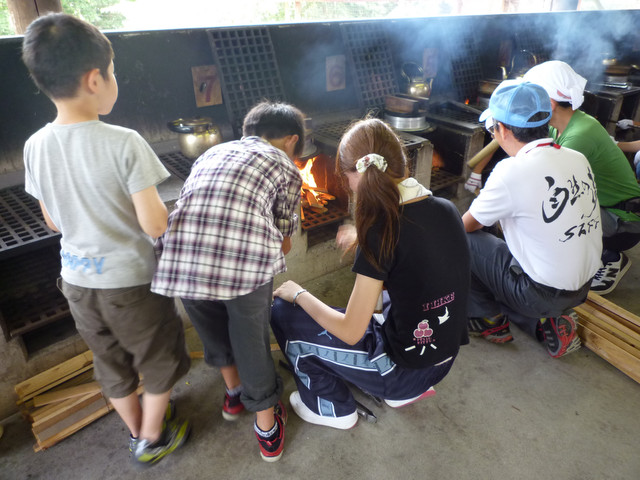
[{"x": 85, "y": 174}]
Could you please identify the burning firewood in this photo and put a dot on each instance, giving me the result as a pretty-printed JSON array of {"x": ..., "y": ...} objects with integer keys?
[{"x": 313, "y": 201}]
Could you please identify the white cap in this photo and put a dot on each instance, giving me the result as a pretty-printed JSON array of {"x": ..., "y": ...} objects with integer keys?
[{"x": 560, "y": 81}]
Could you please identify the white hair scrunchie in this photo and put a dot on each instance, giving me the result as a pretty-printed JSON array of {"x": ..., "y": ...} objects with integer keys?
[{"x": 371, "y": 159}]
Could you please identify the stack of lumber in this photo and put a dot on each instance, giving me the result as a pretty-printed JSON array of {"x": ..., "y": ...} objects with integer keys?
[
  {"x": 60, "y": 401},
  {"x": 611, "y": 332}
]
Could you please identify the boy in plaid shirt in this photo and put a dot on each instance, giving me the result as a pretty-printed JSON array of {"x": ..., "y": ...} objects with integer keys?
[{"x": 225, "y": 242}]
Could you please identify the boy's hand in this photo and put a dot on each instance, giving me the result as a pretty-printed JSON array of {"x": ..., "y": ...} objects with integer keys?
[{"x": 286, "y": 245}]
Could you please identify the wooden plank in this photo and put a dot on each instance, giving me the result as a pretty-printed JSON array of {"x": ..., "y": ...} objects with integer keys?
[
  {"x": 594, "y": 327},
  {"x": 609, "y": 324},
  {"x": 54, "y": 376},
  {"x": 66, "y": 393},
  {"x": 64, "y": 410},
  {"x": 72, "y": 424},
  {"x": 617, "y": 357},
  {"x": 615, "y": 309}
]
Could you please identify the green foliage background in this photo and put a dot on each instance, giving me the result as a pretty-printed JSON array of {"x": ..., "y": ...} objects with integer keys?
[{"x": 89, "y": 10}]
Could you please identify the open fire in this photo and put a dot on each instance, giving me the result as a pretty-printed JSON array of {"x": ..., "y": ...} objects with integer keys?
[
  {"x": 312, "y": 196},
  {"x": 321, "y": 198}
]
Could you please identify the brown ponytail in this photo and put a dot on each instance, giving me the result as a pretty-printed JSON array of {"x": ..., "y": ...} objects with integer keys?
[{"x": 378, "y": 197}]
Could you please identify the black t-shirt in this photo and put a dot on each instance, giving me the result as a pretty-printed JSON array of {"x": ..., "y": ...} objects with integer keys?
[{"x": 428, "y": 284}]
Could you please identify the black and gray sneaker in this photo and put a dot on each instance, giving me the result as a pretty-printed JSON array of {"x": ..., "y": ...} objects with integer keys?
[
  {"x": 496, "y": 329},
  {"x": 608, "y": 276},
  {"x": 170, "y": 414},
  {"x": 174, "y": 434}
]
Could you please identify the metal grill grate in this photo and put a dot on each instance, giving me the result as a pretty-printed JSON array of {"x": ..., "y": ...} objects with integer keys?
[
  {"x": 371, "y": 62},
  {"x": 248, "y": 70},
  {"x": 21, "y": 221},
  {"x": 331, "y": 133},
  {"x": 441, "y": 179},
  {"x": 29, "y": 297},
  {"x": 177, "y": 164},
  {"x": 456, "y": 114},
  {"x": 313, "y": 219}
]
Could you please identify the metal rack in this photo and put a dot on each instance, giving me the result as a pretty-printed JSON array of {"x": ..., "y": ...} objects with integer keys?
[
  {"x": 21, "y": 223},
  {"x": 371, "y": 62},
  {"x": 248, "y": 70},
  {"x": 29, "y": 298}
]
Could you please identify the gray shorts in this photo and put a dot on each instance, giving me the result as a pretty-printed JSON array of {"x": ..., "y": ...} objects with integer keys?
[{"x": 131, "y": 331}]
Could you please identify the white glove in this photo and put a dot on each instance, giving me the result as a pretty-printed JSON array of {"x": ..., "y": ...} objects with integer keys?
[
  {"x": 473, "y": 183},
  {"x": 636, "y": 159},
  {"x": 625, "y": 124}
]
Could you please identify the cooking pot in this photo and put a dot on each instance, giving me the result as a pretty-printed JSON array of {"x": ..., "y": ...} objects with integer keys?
[
  {"x": 197, "y": 135},
  {"x": 407, "y": 122}
]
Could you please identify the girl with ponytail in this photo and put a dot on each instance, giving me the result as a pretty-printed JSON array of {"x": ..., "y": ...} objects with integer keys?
[{"x": 412, "y": 245}]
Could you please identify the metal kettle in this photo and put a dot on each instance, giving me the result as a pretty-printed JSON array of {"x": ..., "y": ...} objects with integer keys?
[
  {"x": 414, "y": 76},
  {"x": 197, "y": 135}
]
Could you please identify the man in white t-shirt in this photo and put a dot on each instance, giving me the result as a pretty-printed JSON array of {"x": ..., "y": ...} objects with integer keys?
[{"x": 544, "y": 198}]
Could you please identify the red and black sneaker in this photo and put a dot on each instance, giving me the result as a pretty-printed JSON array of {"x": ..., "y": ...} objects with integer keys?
[
  {"x": 271, "y": 448},
  {"x": 561, "y": 334},
  {"x": 495, "y": 330},
  {"x": 232, "y": 407}
]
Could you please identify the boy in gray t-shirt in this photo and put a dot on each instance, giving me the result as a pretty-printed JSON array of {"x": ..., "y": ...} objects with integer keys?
[{"x": 96, "y": 184}]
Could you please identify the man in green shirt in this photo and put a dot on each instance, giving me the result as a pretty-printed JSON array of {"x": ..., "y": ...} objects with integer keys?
[{"x": 614, "y": 177}]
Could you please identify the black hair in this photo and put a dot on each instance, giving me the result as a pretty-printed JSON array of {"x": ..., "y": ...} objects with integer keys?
[
  {"x": 271, "y": 120},
  {"x": 527, "y": 135},
  {"x": 58, "y": 49},
  {"x": 565, "y": 105}
]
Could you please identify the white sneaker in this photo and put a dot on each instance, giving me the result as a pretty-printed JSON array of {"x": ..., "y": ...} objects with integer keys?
[
  {"x": 342, "y": 423},
  {"x": 609, "y": 275},
  {"x": 402, "y": 403}
]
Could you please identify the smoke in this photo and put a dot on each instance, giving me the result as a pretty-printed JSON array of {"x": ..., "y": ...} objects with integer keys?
[{"x": 585, "y": 40}]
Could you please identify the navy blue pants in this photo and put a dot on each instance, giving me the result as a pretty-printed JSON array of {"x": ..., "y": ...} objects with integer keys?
[{"x": 323, "y": 364}]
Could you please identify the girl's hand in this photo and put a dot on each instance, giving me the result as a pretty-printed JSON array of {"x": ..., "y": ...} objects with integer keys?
[
  {"x": 287, "y": 290},
  {"x": 346, "y": 236}
]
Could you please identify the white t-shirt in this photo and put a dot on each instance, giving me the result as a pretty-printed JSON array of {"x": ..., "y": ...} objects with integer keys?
[
  {"x": 85, "y": 174},
  {"x": 546, "y": 202}
]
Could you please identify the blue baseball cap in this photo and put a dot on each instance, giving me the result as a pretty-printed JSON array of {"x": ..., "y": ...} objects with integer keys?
[{"x": 514, "y": 102}]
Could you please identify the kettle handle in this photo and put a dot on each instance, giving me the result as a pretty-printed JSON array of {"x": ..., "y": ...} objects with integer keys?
[
  {"x": 406, "y": 75},
  {"x": 179, "y": 127}
]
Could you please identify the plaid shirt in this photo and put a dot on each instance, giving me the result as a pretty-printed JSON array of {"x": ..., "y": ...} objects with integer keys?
[{"x": 224, "y": 237}]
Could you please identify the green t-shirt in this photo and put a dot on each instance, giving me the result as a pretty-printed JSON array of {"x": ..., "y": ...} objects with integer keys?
[{"x": 615, "y": 180}]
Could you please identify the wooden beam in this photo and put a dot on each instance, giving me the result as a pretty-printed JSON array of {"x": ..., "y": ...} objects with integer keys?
[
  {"x": 626, "y": 317},
  {"x": 65, "y": 393},
  {"x": 63, "y": 410},
  {"x": 54, "y": 376},
  {"x": 592, "y": 315},
  {"x": 613, "y": 354},
  {"x": 23, "y": 12},
  {"x": 72, "y": 424}
]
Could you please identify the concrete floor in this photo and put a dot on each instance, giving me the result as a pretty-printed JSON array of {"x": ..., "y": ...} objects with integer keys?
[{"x": 504, "y": 411}]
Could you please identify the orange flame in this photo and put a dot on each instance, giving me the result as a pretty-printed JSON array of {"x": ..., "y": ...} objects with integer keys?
[{"x": 307, "y": 176}]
